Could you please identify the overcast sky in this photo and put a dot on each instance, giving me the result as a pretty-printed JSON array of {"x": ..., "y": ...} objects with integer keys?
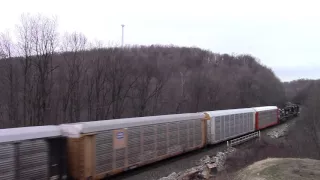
[{"x": 283, "y": 34}]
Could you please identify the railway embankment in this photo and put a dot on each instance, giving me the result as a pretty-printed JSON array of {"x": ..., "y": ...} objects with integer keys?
[
  {"x": 206, "y": 167},
  {"x": 227, "y": 163}
]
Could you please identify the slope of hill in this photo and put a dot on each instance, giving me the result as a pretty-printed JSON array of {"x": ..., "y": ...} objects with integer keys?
[
  {"x": 281, "y": 169},
  {"x": 296, "y": 90},
  {"x": 135, "y": 81}
]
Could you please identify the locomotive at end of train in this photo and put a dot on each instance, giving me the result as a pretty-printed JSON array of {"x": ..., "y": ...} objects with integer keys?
[
  {"x": 289, "y": 111},
  {"x": 99, "y": 149}
]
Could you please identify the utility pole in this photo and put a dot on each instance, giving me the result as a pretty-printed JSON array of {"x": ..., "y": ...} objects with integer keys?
[{"x": 122, "y": 25}]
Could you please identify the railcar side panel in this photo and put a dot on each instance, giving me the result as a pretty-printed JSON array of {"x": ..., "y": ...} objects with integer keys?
[
  {"x": 76, "y": 156},
  {"x": 266, "y": 116},
  {"x": 230, "y": 126},
  {"x": 8, "y": 167},
  {"x": 227, "y": 124},
  {"x": 147, "y": 144},
  {"x": 81, "y": 156},
  {"x": 121, "y": 149},
  {"x": 33, "y": 159}
]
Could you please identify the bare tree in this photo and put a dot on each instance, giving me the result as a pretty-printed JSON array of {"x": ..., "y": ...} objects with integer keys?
[
  {"x": 98, "y": 89},
  {"x": 44, "y": 42},
  {"x": 216, "y": 86},
  {"x": 121, "y": 78},
  {"x": 37, "y": 44},
  {"x": 148, "y": 87},
  {"x": 75, "y": 46},
  {"x": 25, "y": 48},
  {"x": 10, "y": 80}
]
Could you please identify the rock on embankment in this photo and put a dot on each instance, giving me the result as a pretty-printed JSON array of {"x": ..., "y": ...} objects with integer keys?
[
  {"x": 206, "y": 166},
  {"x": 281, "y": 130}
]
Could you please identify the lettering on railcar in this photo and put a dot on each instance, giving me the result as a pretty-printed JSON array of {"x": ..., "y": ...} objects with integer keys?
[
  {"x": 120, "y": 135},
  {"x": 120, "y": 138}
]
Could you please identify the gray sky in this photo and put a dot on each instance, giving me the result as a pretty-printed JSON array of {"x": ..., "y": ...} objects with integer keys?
[{"x": 283, "y": 34}]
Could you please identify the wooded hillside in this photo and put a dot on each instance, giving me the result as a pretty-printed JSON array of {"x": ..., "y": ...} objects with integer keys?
[
  {"x": 298, "y": 89},
  {"x": 46, "y": 78}
]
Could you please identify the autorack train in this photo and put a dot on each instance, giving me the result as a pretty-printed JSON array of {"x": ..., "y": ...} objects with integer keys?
[{"x": 99, "y": 149}]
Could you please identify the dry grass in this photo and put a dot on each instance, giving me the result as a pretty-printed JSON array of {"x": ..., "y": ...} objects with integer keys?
[{"x": 281, "y": 169}]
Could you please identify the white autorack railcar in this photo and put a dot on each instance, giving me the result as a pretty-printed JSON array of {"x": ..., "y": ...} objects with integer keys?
[{"x": 226, "y": 124}]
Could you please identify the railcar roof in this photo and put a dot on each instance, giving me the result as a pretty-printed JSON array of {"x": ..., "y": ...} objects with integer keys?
[
  {"x": 96, "y": 126},
  {"x": 26, "y": 133},
  {"x": 229, "y": 112},
  {"x": 265, "y": 108}
]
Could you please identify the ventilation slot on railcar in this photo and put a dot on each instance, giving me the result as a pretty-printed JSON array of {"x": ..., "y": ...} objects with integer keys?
[
  {"x": 104, "y": 152},
  {"x": 134, "y": 145},
  {"x": 148, "y": 142},
  {"x": 120, "y": 157},
  {"x": 33, "y": 159},
  {"x": 198, "y": 133},
  {"x": 183, "y": 135},
  {"x": 7, "y": 161},
  {"x": 237, "y": 124},
  {"x": 218, "y": 128},
  {"x": 242, "y": 122},
  {"x": 222, "y": 129},
  {"x": 227, "y": 125},
  {"x": 232, "y": 125},
  {"x": 190, "y": 134},
  {"x": 173, "y": 137},
  {"x": 161, "y": 139}
]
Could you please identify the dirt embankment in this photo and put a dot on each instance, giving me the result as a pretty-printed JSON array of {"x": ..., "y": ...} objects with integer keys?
[
  {"x": 289, "y": 140},
  {"x": 274, "y": 142},
  {"x": 281, "y": 169}
]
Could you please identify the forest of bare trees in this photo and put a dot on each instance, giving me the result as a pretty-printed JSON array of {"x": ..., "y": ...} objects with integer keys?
[
  {"x": 297, "y": 90},
  {"x": 48, "y": 78}
]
